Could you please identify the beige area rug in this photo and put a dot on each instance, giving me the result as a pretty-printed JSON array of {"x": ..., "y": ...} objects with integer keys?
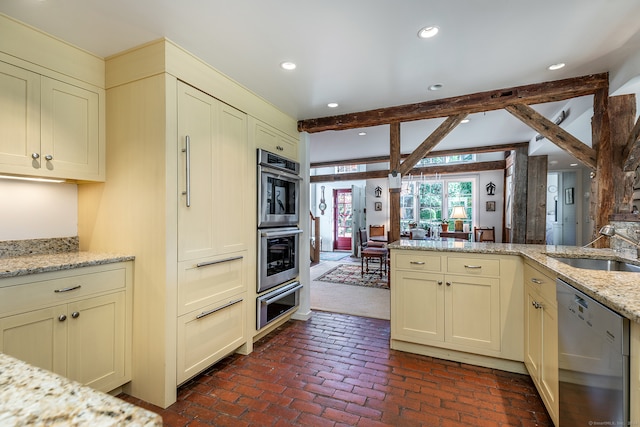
[
  {"x": 347, "y": 299},
  {"x": 351, "y": 274}
]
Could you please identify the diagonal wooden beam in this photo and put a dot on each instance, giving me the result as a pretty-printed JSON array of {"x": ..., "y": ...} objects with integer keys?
[
  {"x": 558, "y": 90},
  {"x": 554, "y": 133},
  {"x": 631, "y": 152},
  {"x": 431, "y": 141}
]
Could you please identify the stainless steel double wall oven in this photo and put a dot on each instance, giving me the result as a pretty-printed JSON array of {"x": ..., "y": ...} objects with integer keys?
[{"x": 278, "y": 237}]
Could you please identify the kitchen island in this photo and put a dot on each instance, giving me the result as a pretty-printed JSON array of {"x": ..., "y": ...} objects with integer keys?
[
  {"x": 494, "y": 305},
  {"x": 34, "y": 396}
]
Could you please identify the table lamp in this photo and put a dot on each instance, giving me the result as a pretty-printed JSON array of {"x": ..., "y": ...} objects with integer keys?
[{"x": 458, "y": 214}]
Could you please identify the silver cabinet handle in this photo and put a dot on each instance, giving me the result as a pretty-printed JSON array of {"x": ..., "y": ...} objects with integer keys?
[
  {"x": 416, "y": 262},
  {"x": 536, "y": 281},
  {"x": 71, "y": 288},
  {"x": 48, "y": 157},
  {"x": 439, "y": 282},
  {"x": 62, "y": 317},
  {"x": 475, "y": 267},
  {"x": 187, "y": 151},
  {"x": 205, "y": 264},
  {"x": 75, "y": 314},
  {"x": 279, "y": 148},
  {"x": 35, "y": 156},
  {"x": 207, "y": 313},
  {"x": 448, "y": 283}
]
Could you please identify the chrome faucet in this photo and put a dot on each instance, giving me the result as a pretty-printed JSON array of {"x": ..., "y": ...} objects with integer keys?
[{"x": 610, "y": 231}]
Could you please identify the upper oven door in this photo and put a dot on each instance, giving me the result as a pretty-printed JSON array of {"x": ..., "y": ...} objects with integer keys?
[{"x": 278, "y": 198}]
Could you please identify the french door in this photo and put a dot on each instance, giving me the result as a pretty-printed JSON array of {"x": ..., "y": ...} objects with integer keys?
[{"x": 343, "y": 219}]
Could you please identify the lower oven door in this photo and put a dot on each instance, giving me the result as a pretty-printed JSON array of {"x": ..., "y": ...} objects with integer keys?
[{"x": 277, "y": 303}]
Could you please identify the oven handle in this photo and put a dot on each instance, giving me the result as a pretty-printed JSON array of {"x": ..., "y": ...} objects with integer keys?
[
  {"x": 281, "y": 295},
  {"x": 205, "y": 264},
  {"x": 207, "y": 313},
  {"x": 280, "y": 233},
  {"x": 279, "y": 173}
]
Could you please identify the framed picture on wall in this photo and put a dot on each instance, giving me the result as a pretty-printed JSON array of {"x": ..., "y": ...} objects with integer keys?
[
  {"x": 377, "y": 206},
  {"x": 568, "y": 196},
  {"x": 491, "y": 206}
]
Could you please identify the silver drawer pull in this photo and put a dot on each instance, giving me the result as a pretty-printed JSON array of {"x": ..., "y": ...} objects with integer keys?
[
  {"x": 72, "y": 288},
  {"x": 475, "y": 267},
  {"x": 537, "y": 281},
  {"x": 416, "y": 262},
  {"x": 205, "y": 264},
  {"x": 206, "y": 313}
]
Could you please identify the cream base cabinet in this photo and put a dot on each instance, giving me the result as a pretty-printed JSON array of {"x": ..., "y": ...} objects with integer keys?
[
  {"x": 441, "y": 304},
  {"x": 50, "y": 128},
  {"x": 86, "y": 339},
  {"x": 541, "y": 336}
]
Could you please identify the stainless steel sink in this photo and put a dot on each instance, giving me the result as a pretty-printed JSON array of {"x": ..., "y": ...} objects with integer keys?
[{"x": 599, "y": 264}]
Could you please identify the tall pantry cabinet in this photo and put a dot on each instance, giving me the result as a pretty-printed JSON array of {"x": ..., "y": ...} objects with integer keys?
[{"x": 180, "y": 196}]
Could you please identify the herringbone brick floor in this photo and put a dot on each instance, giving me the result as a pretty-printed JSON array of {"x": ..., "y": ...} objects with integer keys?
[{"x": 338, "y": 370}]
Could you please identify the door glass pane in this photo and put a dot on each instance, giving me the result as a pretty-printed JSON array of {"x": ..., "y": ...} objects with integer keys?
[
  {"x": 344, "y": 214},
  {"x": 460, "y": 193}
]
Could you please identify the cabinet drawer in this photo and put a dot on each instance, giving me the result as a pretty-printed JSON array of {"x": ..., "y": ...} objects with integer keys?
[
  {"x": 274, "y": 141},
  {"x": 542, "y": 282},
  {"x": 475, "y": 266},
  {"x": 207, "y": 281},
  {"x": 71, "y": 285},
  {"x": 206, "y": 336},
  {"x": 418, "y": 262}
]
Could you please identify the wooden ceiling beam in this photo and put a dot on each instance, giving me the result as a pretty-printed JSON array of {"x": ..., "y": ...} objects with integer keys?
[
  {"x": 424, "y": 171},
  {"x": 435, "y": 153},
  {"x": 432, "y": 140},
  {"x": 540, "y": 93},
  {"x": 554, "y": 133}
]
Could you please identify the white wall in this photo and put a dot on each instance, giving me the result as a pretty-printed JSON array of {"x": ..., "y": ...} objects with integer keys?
[
  {"x": 494, "y": 218},
  {"x": 35, "y": 210}
]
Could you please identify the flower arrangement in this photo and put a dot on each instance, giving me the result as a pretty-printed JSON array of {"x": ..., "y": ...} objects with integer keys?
[{"x": 444, "y": 221}]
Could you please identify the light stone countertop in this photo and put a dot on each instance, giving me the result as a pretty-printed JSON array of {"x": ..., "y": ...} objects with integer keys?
[
  {"x": 620, "y": 291},
  {"x": 32, "y": 264},
  {"x": 31, "y": 396}
]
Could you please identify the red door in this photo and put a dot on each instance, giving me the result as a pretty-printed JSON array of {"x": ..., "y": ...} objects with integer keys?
[{"x": 343, "y": 219}]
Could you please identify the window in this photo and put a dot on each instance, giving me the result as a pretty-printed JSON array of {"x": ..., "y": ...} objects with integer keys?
[
  {"x": 427, "y": 203},
  {"x": 461, "y": 158},
  {"x": 346, "y": 168}
]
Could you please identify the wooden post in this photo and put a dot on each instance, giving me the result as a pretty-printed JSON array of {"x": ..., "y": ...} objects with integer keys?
[
  {"x": 603, "y": 204},
  {"x": 536, "y": 200},
  {"x": 519, "y": 196},
  {"x": 394, "y": 193},
  {"x": 622, "y": 114}
]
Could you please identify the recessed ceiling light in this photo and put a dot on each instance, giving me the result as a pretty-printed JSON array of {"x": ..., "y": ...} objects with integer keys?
[
  {"x": 288, "y": 66},
  {"x": 362, "y": 133},
  {"x": 428, "y": 32},
  {"x": 436, "y": 86},
  {"x": 573, "y": 164},
  {"x": 464, "y": 121},
  {"x": 332, "y": 104},
  {"x": 557, "y": 66}
]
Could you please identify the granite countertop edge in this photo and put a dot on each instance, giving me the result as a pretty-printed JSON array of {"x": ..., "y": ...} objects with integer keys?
[
  {"x": 33, "y": 264},
  {"x": 619, "y": 291}
]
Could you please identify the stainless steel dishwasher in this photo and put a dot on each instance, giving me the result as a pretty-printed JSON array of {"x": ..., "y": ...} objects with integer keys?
[{"x": 593, "y": 358}]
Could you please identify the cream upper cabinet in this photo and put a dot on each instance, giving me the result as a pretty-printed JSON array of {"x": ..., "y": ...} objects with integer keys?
[
  {"x": 50, "y": 128},
  {"x": 212, "y": 176},
  {"x": 271, "y": 139},
  {"x": 541, "y": 335}
]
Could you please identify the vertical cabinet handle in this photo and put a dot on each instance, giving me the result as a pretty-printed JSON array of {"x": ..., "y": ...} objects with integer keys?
[{"x": 187, "y": 151}]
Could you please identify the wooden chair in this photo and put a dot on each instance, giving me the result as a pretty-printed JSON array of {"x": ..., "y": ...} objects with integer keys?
[
  {"x": 368, "y": 253},
  {"x": 484, "y": 234}
]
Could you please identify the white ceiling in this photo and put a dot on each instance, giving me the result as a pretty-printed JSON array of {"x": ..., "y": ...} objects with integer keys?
[{"x": 365, "y": 54}]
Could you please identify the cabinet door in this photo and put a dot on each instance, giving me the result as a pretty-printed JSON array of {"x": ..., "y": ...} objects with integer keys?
[
  {"x": 70, "y": 140},
  {"x": 37, "y": 337},
  {"x": 232, "y": 181},
  {"x": 272, "y": 140},
  {"x": 19, "y": 119},
  {"x": 97, "y": 339},
  {"x": 197, "y": 124},
  {"x": 549, "y": 358},
  {"x": 472, "y": 311},
  {"x": 532, "y": 332},
  {"x": 417, "y": 307}
]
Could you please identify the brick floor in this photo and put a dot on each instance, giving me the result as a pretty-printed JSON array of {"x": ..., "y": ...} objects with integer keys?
[{"x": 338, "y": 370}]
